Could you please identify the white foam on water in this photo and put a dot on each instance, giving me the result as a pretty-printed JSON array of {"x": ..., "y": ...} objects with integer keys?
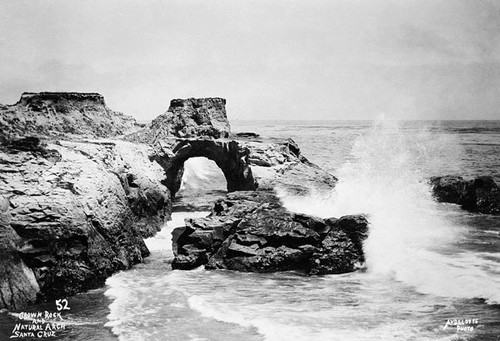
[
  {"x": 386, "y": 179},
  {"x": 275, "y": 326},
  {"x": 133, "y": 296}
]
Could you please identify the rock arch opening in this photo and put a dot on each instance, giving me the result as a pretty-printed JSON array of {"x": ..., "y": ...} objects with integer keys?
[
  {"x": 229, "y": 156},
  {"x": 201, "y": 175}
]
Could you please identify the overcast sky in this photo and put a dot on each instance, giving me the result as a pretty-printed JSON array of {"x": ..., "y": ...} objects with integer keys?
[{"x": 271, "y": 59}]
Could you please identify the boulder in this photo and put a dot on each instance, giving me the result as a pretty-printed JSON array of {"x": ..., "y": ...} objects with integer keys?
[
  {"x": 481, "y": 194},
  {"x": 252, "y": 231}
]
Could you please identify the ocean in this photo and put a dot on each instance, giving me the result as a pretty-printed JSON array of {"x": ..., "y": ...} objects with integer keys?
[{"x": 432, "y": 270}]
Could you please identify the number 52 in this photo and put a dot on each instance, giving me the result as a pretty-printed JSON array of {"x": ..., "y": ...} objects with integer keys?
[{"x": 62, "y": 304}]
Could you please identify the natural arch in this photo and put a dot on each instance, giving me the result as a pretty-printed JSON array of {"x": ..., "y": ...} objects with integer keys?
[{"x": 229, "y": 156}]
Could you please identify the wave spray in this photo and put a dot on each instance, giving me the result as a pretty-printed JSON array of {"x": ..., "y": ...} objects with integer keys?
[{"x": 411, "y": 235}]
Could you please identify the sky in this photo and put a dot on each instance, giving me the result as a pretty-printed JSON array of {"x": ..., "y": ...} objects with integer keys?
[{"x": 271, "y": 59}]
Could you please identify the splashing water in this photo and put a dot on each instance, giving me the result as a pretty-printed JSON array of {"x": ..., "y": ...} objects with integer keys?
[{"x": 410, "y": 237}]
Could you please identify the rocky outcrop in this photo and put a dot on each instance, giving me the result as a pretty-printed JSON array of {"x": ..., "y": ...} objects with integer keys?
[
  {"x": 281, "y": 165},
  {"x": 246, "y": 165},
  {"x": 74, "y": 209},
  {"x": 231, "y": 158},
  {"x": 199, "y": 128},
  {"x": 187, "y": 118},
  {"x": 481, "y": 194},
  {"x": 251, "y": 231},
  {"x": 62, "y": 115},
  {"x": 72, "y": 214}
]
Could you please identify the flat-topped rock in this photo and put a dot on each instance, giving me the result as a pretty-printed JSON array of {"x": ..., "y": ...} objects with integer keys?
[
  {"x": 63, "y": 115},
  {"x": 187, "y": 118},
  {"x": 34, "y": 98}
]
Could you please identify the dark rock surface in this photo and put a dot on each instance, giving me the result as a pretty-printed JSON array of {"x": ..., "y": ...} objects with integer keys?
[
  {"x": 248, "y": 135},
  {"x": 251, "y": 231},
  {"x": 481, "y": 194},
  {"x": 62, "y": 115},
  {"x": 231, "y": 158}
]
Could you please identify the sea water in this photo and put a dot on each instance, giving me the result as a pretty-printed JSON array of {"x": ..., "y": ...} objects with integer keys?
[{"x": 432, "y": 270}]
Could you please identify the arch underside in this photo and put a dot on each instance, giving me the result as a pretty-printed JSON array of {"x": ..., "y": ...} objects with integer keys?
[{"x": 228, "y": 155}]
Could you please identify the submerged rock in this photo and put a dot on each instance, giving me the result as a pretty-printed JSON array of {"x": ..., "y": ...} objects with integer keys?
[
  {"x": 252, "y": 231},
  {"x": 481, "y": 194}
]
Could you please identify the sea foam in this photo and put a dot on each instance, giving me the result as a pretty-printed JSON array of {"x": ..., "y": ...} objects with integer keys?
[{"x": 410, "y": 237}]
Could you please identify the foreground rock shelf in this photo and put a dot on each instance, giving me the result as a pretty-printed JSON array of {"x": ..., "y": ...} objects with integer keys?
[{"x": 252, "y": 231}]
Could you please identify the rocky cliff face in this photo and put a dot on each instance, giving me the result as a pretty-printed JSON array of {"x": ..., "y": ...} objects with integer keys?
[
  {"x": 73, "y": 214},
  {"x": 72, "y": 210},
  {"x": 62, "y": 115},
  {"x": 188, "y": 118}
]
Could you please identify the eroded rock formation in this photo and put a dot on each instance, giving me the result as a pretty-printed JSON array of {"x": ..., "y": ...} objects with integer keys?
[
  {"x": 231, "y": 158},
  {"x": 245, "y": 162},
  {"x": 62, "y": 115},
  {"x": 251, "y": 231},
  {"x": 481, "y": 194},
  {"x": 187, "y": 118},
  {"x": 73, "y": 211},
  {"x": 78, "y": 213},
  {"x": 74, "y": 207}
]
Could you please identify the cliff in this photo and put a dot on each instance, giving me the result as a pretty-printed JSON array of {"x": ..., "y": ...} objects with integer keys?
[
  {"x": 62, "y": 115},
  {"x": 73, "y": 210},
  {"x": 73, "y": 214}
]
